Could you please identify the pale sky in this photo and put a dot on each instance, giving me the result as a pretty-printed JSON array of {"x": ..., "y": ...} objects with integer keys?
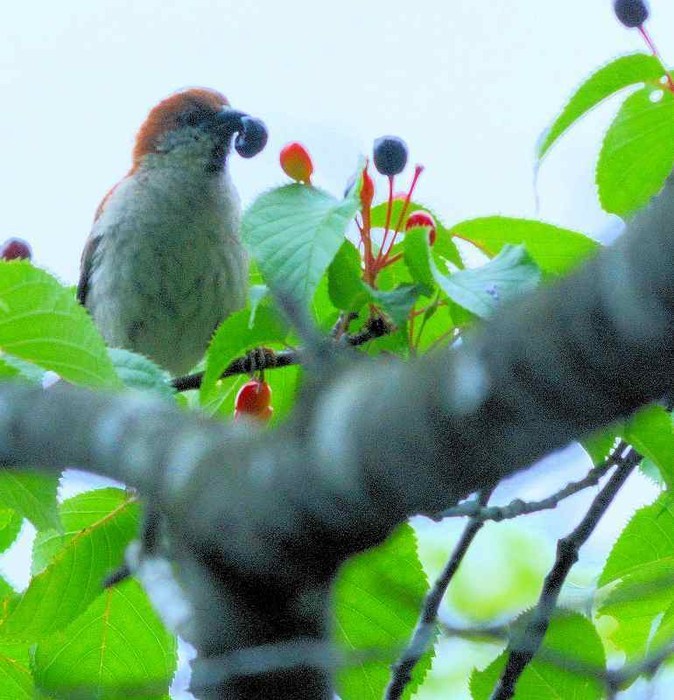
[{"x": 469, "y": 85}]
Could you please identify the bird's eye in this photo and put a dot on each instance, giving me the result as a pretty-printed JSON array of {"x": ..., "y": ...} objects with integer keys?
[{"x": 193, "y": 117}]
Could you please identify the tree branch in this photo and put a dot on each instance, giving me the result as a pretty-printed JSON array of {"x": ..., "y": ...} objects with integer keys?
[
  {"x": 372, "y": 442},
  {"x": 524, "y": 646},
  {"x": 374, "y": 328},
  {"x": 424, "y": 631},
  {"x": 518, "y": 507}
]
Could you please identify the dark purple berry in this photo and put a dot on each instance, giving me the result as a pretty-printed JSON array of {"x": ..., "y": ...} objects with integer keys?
[
  {"x": 390, "y": 155},
  {"x": 252, "y": 138},
  {"x": 632, "y": 13},
  {"x": 15, "y": 249}
]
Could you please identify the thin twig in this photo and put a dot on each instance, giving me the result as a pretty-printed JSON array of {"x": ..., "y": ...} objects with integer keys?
[
  {"x": 425, "y": 629},
  {"x": 613, "y": 679},
  {"x": 524, "y": 647},
  {"x": 375, "y": 327},
  {"x": 241, "y": 365},
  {"x": 649, "y": 665},
  {"x": 519, "y": 507}
]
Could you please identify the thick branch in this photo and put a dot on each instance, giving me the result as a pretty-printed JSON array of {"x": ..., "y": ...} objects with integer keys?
[{"x": 371, "y": 443}]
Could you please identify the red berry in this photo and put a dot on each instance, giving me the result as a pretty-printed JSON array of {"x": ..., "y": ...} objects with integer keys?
[
  {"x": 296, "y": 162},
  {"x": 366, "y": 190},
  {"x": 254, "y": 399},
  {"x": 15, "y": 249},
  {"x": 422, "y": 218}
]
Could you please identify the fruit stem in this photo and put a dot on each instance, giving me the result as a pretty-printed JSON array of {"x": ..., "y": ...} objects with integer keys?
[
  {"x": 418, "y": 169},
  {"x": 654, "y": 50},
  {"x": 391, "y": 260},
  {"x": 389, "y": 211},
  {"x": 367, "y": 245}
]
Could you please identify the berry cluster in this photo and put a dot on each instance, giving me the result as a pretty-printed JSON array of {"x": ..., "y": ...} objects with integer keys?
[
  {"x": 15, "y": 249},
  {"x": 390, "y": 158},
  {"x": 254, "y": 401}
]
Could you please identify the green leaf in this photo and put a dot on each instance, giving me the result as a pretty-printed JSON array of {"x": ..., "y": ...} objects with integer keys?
[
  {"x": 651, "y": 432},
  {"x": 653, "y": 524},
  {"x": 138, "y": 372},
  {"x": 235, "y": 335},
  {"x": 74, "y": 578},
  {"x": 284, "y": 385},
  {"x": 293, "y": 233},
  {"x": 347, "y": 290},
  {"x": 75, "y": 514},
  {"x": 570, "y": 636},
  {"x": 8, "y": 370},
  {"x": 40, "y": 321},
  {"x": 599, "y": 444},
  {"x": 32, "y": 495},
  {"x": 641, "y": 562},
  {"x": 10, "y": 525},
  {"x": 482, "y": 289},
  {"x": 621, "y": 73},
  {"x": 378, "y": 596},
  {"x": 25, "y": 370},
  {"x": 637, "y": 153},
  {"x": 16, "y": 680},
  {"x": 417, "y": 258},
  {"x": 118, "y": 648},
  {"x": 555, "y": 250},
  {"x": 398, "y": 302}
]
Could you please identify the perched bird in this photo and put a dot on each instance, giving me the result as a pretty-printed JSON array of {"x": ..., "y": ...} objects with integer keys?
[{"x": 163, "y": 265}]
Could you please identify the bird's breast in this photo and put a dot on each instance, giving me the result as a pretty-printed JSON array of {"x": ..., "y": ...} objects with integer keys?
[{"x": 169, "y": 267}]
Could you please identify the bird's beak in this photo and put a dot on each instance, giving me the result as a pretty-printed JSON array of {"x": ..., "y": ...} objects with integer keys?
[
  {"x": 228, "y": 120},
  {"x": 251, "y": 133}
]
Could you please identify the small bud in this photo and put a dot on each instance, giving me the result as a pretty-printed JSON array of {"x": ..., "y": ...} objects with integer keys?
[
  {"x": 390, "y": 155},
  {"x": 296, "y": 162},
  {"x": 366, "y": 190},
  {"x": 422, "y": 219}
]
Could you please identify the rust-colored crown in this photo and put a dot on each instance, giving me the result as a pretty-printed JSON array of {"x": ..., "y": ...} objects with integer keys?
[{"x": 166, "y": 116}]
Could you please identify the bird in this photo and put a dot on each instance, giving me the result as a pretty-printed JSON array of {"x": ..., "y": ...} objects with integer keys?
[{"x": 164, "y": 265}]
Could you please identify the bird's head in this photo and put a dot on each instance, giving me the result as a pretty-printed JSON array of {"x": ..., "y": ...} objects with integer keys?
[{"x": 195, "y": 126}]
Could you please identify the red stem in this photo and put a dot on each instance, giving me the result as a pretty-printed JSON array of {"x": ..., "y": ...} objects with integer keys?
[
  {"x": 654, "y": 50},
  {"x": 417, "y": 171},
  {"x": 389, "y": 211}
]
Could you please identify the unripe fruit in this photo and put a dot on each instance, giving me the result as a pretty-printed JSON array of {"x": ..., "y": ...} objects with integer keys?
[
  {"x": 253, "y": 400},
  {"x": 296, "y": 162},
  {"x": 366, "y": 190},
  {"x": 252, "y": 138},
  {"x": 632, "y": 13},
  {"x": 390, "y": 155},
  {"x": 424, "y": 219},
  {"x": 15, "y": 249}
]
